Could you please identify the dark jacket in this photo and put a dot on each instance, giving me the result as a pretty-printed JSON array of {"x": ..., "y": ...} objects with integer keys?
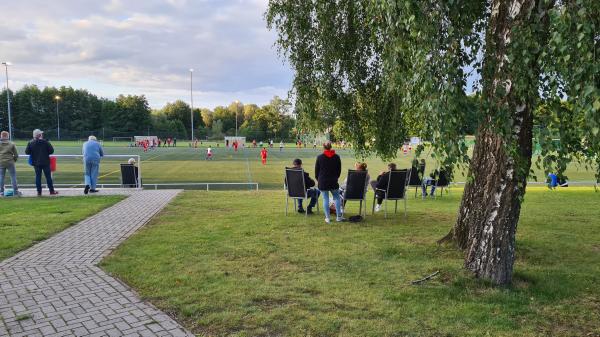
[
  {"x": 327, "y": 170},
  {"x": 40, "y": 151},
  {"x": 308, "y": 182},
  {"x": 382, "y": 181}
]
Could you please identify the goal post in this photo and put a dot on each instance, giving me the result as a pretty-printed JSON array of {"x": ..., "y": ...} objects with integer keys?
[
  {"x": 122, "y": 139},
  {"x": 229, "y": 140}
]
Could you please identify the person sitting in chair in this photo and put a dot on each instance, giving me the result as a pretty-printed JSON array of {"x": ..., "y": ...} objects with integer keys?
[
  {"x": 380, "y": 185},
  {"x": 358, "y": 166},
  {"x": 312, "y": 193}
]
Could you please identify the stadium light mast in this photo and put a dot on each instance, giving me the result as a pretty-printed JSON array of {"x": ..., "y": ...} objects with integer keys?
[
  {"x": 192, "y": 101},
  {"x": 57, "y": 98},
  {"x": 6, "y": 64}
]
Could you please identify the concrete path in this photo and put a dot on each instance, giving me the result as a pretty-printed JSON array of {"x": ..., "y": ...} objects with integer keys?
[{"x": 55, "y": 288}]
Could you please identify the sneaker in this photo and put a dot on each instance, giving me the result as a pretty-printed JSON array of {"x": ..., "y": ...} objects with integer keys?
[
  {"x": 377, "y": 208},
  {"x": 86, "y": 189},
  {"x": 94, "y": 191},
  {"x": 342, "y": 219},
  {"x": 301, "y": 210},
  {"x": 53, "y": 193},
  {"x": 39, "y": 194},
  {"x": 309, "y": 211},
  {"x": 327, "y": 220}
]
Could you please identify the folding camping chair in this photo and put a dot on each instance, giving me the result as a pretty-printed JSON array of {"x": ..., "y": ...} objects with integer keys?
[
  {"x": 396, "y": 189},
  {"x": 129, "y": 176},
  {"x": 295, "y": 187},
  {"x": 415, "y": 181},
  {"x": 356, "y": 189},
  {"x": 442, "y": 182}
]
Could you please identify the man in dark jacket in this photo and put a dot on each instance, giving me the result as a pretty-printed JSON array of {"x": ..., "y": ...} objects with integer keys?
[
  {"x": 327, "y": 170},
  {"x": 381, "y": 184},
  {"x": 40, "y": 150},
  {"x": 312, "y": 193}
]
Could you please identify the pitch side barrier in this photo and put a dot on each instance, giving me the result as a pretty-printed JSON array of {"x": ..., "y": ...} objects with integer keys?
[{"x": 123, "y": 157}]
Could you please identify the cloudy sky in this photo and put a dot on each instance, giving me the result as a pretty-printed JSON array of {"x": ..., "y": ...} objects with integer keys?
[{"x": 146, "y": 47}]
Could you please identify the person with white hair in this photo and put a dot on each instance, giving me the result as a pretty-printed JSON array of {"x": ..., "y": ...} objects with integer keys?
[
  {"x": 92, "y": 153},
  {"x": 39, "y": 151},
  {"x": 8, "y": 158}
]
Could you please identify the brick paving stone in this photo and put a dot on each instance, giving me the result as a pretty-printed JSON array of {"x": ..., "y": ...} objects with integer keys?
[{"x": 56, "y": 289}]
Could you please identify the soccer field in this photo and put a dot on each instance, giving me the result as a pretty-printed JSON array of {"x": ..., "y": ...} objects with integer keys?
[{"x": 188, "y": 165}]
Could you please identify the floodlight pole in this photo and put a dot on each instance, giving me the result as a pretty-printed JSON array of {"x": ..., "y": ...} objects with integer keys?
[
  {"x": 192, "y": 102},
  {"x": 237, "y": 105},
  {"x": 6, "y": 64},
  {"x": 57, "y": 98}
]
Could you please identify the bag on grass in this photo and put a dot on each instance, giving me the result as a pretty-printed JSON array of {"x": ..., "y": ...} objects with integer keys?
[{"x": 355, "y": 218}]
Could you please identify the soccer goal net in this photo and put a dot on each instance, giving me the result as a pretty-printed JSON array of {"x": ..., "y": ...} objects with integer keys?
[
  {"x": 122, "y": 139},
  {"x": 229, "y": 140}
]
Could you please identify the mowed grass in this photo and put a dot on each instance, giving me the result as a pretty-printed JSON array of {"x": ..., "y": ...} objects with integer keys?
[
  {"x": 26, "y": 221},
  {"x": 188, "y": 165},
  {"x": 231, "y": 264}
]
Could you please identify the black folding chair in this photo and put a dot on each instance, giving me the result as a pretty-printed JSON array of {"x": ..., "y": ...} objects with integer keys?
[
  {"x": 396, "y": 189},
  {"x": 442, "y": 182},
  {"x": 295, "y": 187},
  {"x": 415, "y": 181},
  {"x": 129, "y": 176},
  {"x": 356, "y": 189}
]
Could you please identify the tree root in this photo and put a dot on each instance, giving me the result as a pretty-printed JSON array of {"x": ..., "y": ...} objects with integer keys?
[{"x": 446, "y": 239}]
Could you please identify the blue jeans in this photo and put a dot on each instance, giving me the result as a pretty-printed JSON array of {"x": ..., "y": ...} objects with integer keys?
[
  {"x": 13, "y": 176},
  {"x": 313, "y": 195},
  {"x": 427, "y": 181},
  {"x": 337, "y": 201},
  {"x": 38, "y": 178},
  {"x": 90, "y": 176}
]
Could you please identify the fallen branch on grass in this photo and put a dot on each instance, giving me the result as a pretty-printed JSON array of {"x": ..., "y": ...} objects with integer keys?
[{"x": 426, "y": 278}]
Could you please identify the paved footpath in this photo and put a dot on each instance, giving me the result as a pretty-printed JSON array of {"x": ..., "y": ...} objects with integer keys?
[{"x": 55, "y": 288}]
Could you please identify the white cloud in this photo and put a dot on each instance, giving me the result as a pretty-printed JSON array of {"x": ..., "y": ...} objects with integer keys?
[{"x": 146, "y": 48}]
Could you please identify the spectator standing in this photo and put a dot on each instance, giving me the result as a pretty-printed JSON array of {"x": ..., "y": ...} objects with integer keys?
[
  {"x": 39, "y": 151},
  {"x": 8, "y": 158},
  {"x": 328, "y": 168},
  {"x": 92, "y": 153}
]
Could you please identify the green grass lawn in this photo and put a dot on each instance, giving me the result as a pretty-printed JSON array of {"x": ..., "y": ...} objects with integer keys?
[
  {"x": 26, "y": 221},
  {"x": 185, "y": 165},
  {"x": 231, "y": 264}
]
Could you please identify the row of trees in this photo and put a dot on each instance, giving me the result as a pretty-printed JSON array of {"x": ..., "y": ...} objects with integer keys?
[{"x": 82, "y": 113}]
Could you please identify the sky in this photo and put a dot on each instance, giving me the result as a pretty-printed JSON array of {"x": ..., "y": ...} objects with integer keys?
[{"x": 136, "y": 47}]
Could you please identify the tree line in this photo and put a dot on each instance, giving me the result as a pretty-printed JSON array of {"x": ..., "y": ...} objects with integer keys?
[{"x": 81, "y": 113}]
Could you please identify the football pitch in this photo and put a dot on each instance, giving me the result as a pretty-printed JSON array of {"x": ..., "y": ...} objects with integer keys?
[{"x": 187, "y": 166}]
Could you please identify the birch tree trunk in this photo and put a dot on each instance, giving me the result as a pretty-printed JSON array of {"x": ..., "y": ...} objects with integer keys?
[{"x": 491, "y": 204}]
